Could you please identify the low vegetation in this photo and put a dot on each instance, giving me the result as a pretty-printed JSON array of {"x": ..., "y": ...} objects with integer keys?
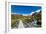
[{"x": 26, "y": 19}]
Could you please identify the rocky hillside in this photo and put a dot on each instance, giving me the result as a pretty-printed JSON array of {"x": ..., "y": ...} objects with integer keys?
[{"x": 26, "y": 19}]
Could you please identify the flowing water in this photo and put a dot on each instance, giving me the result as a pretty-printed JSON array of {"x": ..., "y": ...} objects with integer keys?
[
  {"x": 33, "y": 24},
  {"x": 20, "y": 24}
]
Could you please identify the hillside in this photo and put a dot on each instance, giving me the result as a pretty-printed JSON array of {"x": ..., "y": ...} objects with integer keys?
[{"x": 26, "y": 19}]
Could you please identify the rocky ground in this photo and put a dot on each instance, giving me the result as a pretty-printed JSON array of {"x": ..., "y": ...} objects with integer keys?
[{"x": 29, "y": 21}]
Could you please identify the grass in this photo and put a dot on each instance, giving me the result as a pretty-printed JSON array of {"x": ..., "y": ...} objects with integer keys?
[{"x": 26, "y": 19}]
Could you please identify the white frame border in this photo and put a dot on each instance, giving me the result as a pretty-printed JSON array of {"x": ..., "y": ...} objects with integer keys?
[{"x": 7, "y": 28}]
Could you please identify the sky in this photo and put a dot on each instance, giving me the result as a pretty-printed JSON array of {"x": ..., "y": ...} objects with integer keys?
[{"x": 19, "y": 9}]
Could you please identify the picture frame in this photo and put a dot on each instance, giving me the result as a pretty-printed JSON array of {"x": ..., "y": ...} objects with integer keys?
[{"x": 8, "y": 14}]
